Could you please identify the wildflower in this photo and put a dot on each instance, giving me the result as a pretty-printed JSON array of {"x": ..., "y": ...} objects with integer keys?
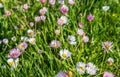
[
  {"x": 80, "y": 66},
  {"x": 13, "y": 63},
  {"x": 43, "y": 17},
  {"x": 105, "y": 8},
  {"x": 61, "y": 74},
  {"x": 57, "y": 32},
  {"x": 107, "y": 45},
  {"x": 91, "y": 68},
  {"x": 5, "y": 41},
  {"x": 110, "y": 61},
  {"x": 72, "y": 39},
  {"x": 15, "y": 27},
  {"x": 65, "y": 54},
  {"x": 22, "y": 46},
  {"x": 1, "y": 5},
  {"x": 55, "y": 44},
  {"x": 23, "y": 38},
  {"x": 108, "y": 74},
  {"x": 14, "y": 53},
  {"x": 32, "y": 41},
  {"x": 25, "y": 6},
  {"x": 31, "y": 24},
  {"x": 43, "y": 1},
  {"x": 30, "y": 32},
  {"x": 71, "y": 2},
  {"x": 80, "y": 32},
  {"x": 37, "y": 18},
  {"x": 90, "y": 17},
  {"x": 85, "y": 39},
  {"x": 52, "y": 2},
  {"x": 22, "y": 27},
  {"x": 39, "y": 51},
  {"x": 61, "y": 2},
  {"x": 70, "y": 73},
  {"x": 7, "y": 13},
  {"x": 62, "y": 20},
  {"x": 64, "y": 9},
  {"x": 43, "y": 10},
  {"x": 80, "y": 24},
  {"x": 13, "y": 38}
]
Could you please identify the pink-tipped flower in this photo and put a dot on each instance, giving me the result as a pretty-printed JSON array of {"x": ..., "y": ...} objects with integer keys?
[
  {"x": 43, "y": 1},
  {"x": 5, "y": 41},
  {"x": 64, "y": 9},
  {"x": 108, "y": 74},
  {"x": 7, "y": 13},
  {"x": 52, "y": 2},
  {"x": 61, "y": 74},
  {"x": 25, "y": 6},
  {"x": 61, "y": 2},
  {"x": 80, "y": 32},
  {"x": 80, "y": 24},
  {"x": 71, "y": 2},
  {"x": 31, "y": 24},
  {"x": 22, "y": 46},
  {"x": 43, "y": 10},
  {"x": 43, "y": 17},
  {"x": 90, "y": 17},
  {"x": 62, "y": 20},
  {"x": 107, "y": 45},
  {"x": 37, "y": 18},
  {"x": 55, "y": 44},
  {"x": 57, "y": 32},
  {"x": 85, "y": 39},
  {"x": 14, "y": 53}
]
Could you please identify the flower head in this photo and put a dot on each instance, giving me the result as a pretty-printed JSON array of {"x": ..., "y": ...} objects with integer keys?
[
  {"x": 108, "y": 74},
  {"x": 43, "y": 10},
  {"x": 80, "y": 24},
  {"x": 1, "y": 5},
  {"x": 61, "y": 2},
  {"x": 71, "y": 2},
  {"x": 32, "y": 41},
  {"x": 105, "y": 8},
  {"x": 107, "y": 45},
  {"x": 80, "y": 32},
  {"x": 85, "y": 39},
  {"x": 7, "y": 13},
  {"x": 14, "y": 53},
  {"x": 57, "y": 32},
  {"x": 55, "y": 44},
  {"x": 5, "y": 41},
  {"x": 61, "y": 74},
  {"x": 37, "y": 18},
  {"x": 90, "y": 17},
  {"x": 80, "y": 66},
  {"x": 64, "y": 9},
  {"x": 31, "y": 24},
  {"x": 13, "y": 63},
  {"x": 43, "y": 1},
  {"x": 52, "y": 2},
  {"x": 62, "y": 20},
  {"x": 13, "y": 38},
  {"x": 110, "y": 61},
  {"x": 65, "y": 54},
  {"x": 43, "y": 17},
  {"x": 91, "y": 68},
  {"x": 30, "y": 32},
  {"x": 22, "y": 46},
  {"x": 72, "y": 39},
  {"x": 25, "y": 6}
]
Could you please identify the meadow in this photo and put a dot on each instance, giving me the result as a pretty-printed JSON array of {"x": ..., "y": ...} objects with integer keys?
[{"x": 59, "y": 38}]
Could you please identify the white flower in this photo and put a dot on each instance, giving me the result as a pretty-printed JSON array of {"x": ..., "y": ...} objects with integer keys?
[
  {"x": 80, "y": 32},
  {"x": 110, "y": 61},
  {"x": 91, "y": 68},
  {"x": 13, "y": 63},
  {"x": 24, "y": 38},
  {"x": 80, "y": 66},
  {"x": 30, "y": 32},
  {"x": 1, "y": 5},
  {"x": 72, "y": 39},
  {"x": 85, "y": 39},
  {"x": 64, "y": 53},
  {"x": 32, "y": 41},
  {"x": 13, "y": 38},
  {"x": 105, "y": 8},
  {"x": 64, "y": 19}
]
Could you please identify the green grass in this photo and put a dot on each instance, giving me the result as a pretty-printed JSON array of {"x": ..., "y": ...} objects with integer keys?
[{"x": 104, "y": 27}]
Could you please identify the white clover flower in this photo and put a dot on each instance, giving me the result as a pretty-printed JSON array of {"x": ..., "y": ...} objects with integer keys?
[
  {"x": 64, "y": 53},
  {"x": 80, "y": 66},
  {"x": 105, "y": 8},
  {"x": 91, "y": 68}
]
